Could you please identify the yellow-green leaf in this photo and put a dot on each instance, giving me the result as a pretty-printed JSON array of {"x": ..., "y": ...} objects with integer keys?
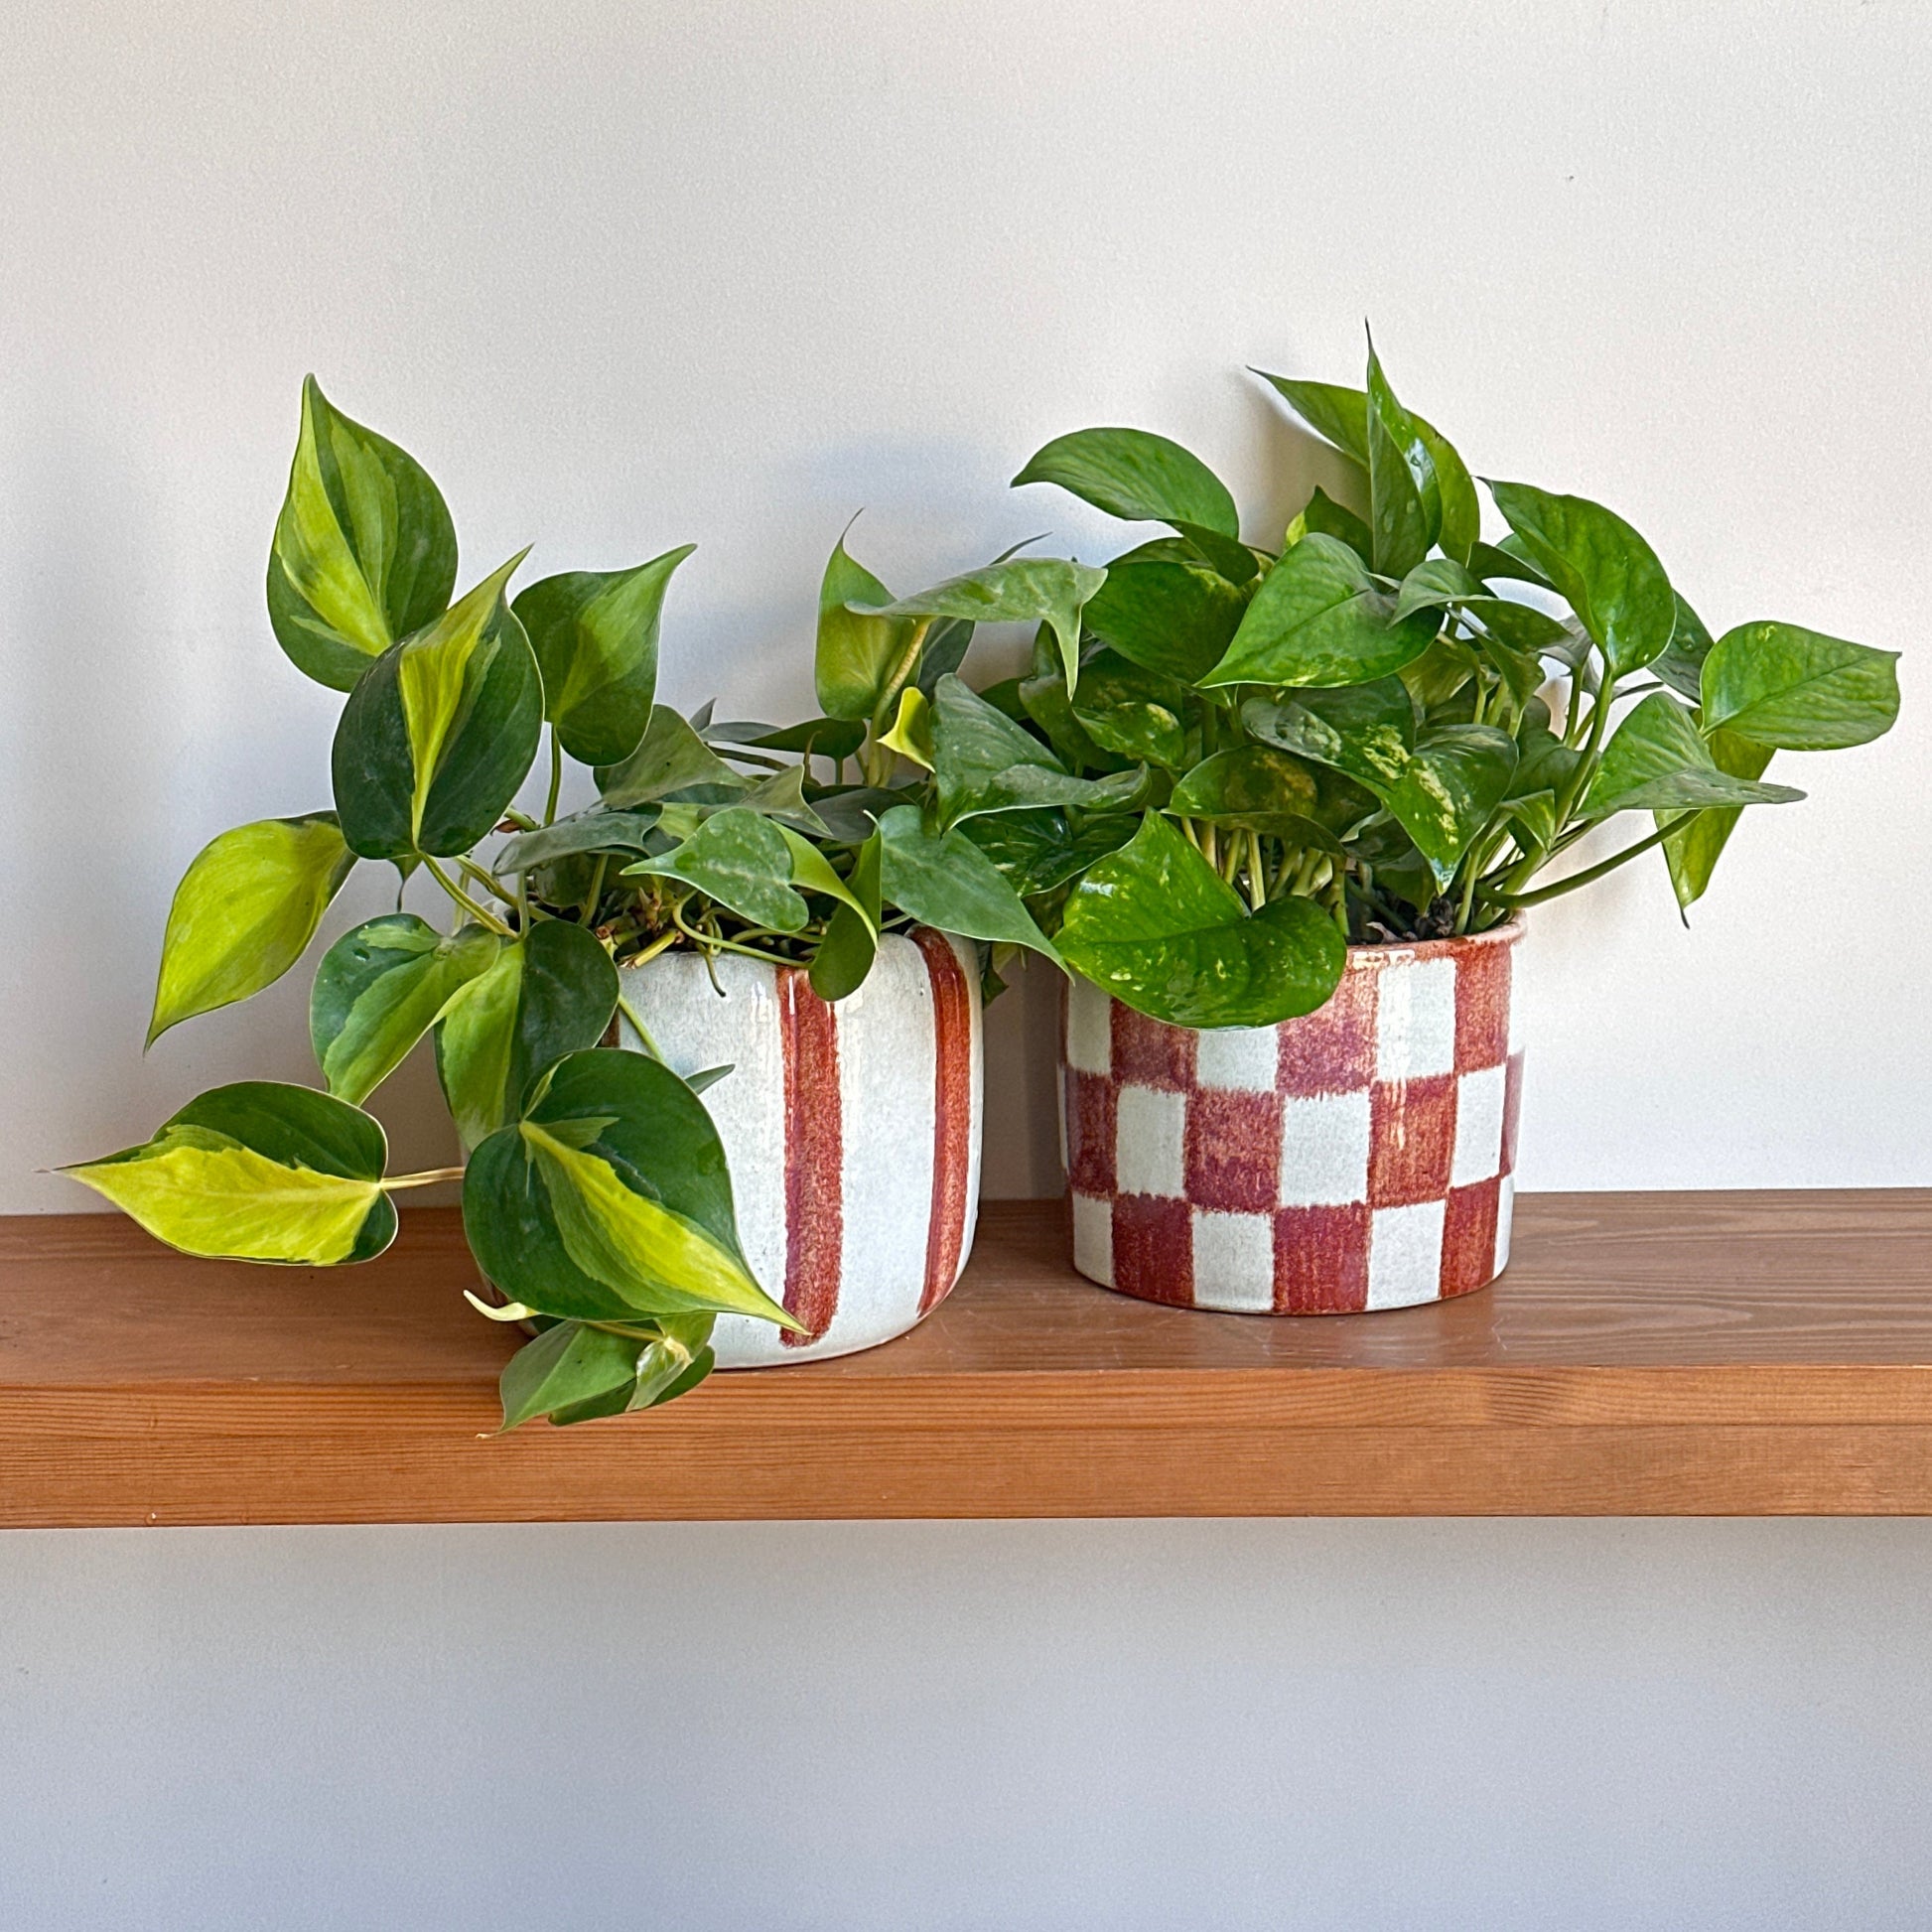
[{"x": 244, "y": 912}]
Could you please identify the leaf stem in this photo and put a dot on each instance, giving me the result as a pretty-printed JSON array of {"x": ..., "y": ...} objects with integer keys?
[
  {"x": 644, "y": 1032},
  {"x": 556, "y": 778},
  {"x": 1590, "y": 874},
  {"x": 427, "y": 1179},
  {"x": 477, "y": 913}
]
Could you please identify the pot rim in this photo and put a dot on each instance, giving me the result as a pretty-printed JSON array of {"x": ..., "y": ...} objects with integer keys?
[{"x": 1506, "y": 935}]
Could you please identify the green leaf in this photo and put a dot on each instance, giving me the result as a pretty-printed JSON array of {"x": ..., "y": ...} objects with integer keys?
[
  {"x": 1798, "y": 690},
  {"x": 1405, "y": 501},
  {"x": 947, "y": 883},
  {"x": 742, "y": 861},
  {"x": 1029, "y": 590},
  {"x": 845, "y": 955},
  {"x": 1506, "y": 560},
  {"x": 1324, "y": 515},
  {"x": 1366, "y": 730},
  {"x": 548, "y": 993},
  {"x": 566, "y": 1365},
  {"x": 611, "y": 1198},
  {"x": 1692, "y": 850},
  {"x": 245, "y": 913},
  {"x": 364, "y": 551},
  {"x": 594, "y": 636},
  {"x": 438, "y": 733},
  {"x": 1165, "y": 614},
  {"x": 811, "y": 872},
  {"x": 911, "y": 733},
  {"x": 673, "y": 757},
  {"x": 826, "y": 738},
  {"x": 1138, "y": 476},
  {"x": 1258, "y": 787},
  {"x": 984, "y": 763},
  {"x": 1158, "y": 929},
  {"x": 1434, "y": 583},
  {"x": 1332, "y": 411},
  {"x": 379, "y": 989},
  {"x": 856, "y": 652},
  {"x": 1450, "y": 790},
  {"x": 1602, "y": 568},
  {"x": 1130, "y": 710},
  {"x": 1040, "y": 851},
  {"x": 596, "y": 829},
  {"x": 1462, "y": 507},
  {"x": 257, "y": 1172},
  {"x": 1656, "y": 761},
  {"x": 1320, "y": 618},
  {"x": 1682, "y": 665}
]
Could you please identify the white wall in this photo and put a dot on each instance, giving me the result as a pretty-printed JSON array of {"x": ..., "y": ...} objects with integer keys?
[{"x": 625, "y": 275}]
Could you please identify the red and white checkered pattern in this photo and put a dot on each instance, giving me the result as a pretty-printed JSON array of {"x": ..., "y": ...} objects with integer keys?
[{"x": 1358, "y": 1157}]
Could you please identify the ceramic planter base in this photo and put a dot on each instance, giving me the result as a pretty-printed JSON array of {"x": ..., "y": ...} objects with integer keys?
[
  {"x": 853, "y": 1131},
  {"x": 1358, "y": 1158}
]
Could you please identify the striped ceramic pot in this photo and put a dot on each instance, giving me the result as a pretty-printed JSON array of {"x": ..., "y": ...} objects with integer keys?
[
  {"x": 1358, "y": 1157},
  {"x": 853, "y": 1131}
]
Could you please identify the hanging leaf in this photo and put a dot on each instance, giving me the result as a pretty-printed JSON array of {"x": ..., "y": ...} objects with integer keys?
[
  {"x": 1781, "y": 685},
  {"x": 364, "y": 551},
  {"x": 378, "y": 990},
  {"x": 858, "y": 652},
  {"x": 257, "y": 1172},
  {"x": 845, "y": 955},
  {"x": 611, "y": 1198},
  {"x": 1029, "y": 590},
  {"x": 1656, "y": 761},
  {"x": 1320, "y": 618},
  {"x": 1158, "y": 927},
  {"x": 548, "y": 993},
  {"x": 438, "y": 733},
  {"x": 1602, "y": 568},
  {"x": 244, "y": 912},
  {"x": 594, "y": 636},
  {"x": 1256, "y": 787},
  {"x": 1692, "y": 850},
  {"x": 947, "y": 883},
  {"x": 1137, "y": 476}
]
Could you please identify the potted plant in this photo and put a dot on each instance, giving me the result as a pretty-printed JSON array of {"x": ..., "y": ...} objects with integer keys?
[
  {"x": 1291, "y": 1083},
  {"x": 711, "y": 1045}
]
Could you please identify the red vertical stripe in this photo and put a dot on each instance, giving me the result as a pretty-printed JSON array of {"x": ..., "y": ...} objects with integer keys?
[
  {"x": 814, "y": 1134},
  {"x": 952, "y": 1113}
]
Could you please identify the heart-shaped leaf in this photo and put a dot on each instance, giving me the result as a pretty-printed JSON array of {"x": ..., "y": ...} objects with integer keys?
[
  {"x": 1450, "y": 790},
  {"x": 1320, "y": 618},
  {"x": 438, "y": 733},
  {"x": 1138, "y": 476},
  {"x": 245, "y": 913},
  {"x": 1602, "y": 568},
  {"x": 257, "y": 1172},
  {"x": 741, "y": 860},
  {"x": 1656, "y": 761},
  {"x": 671, "y": 757},
  {"x": 548, "y": 993},
  {"x": 364, "y": 551},
  {"x": 947, "y": 883},
  {"x": 1158, "y": 929},
  {"x": 858, "y": 652},
  {"x": 984, "y": 763},
  {"x": 1171, "y": 616},
  {"x": 594, "y": 636},
  {"x": 1798, "y": 690},
  {"x": 1326, "y": 518},
  {"x": 611, "y": 1198},
  {"x": 851, "y": 944},
  {"x": 593, "y": 830},
  {"x": 378, "y": 991},
  {"x": 1365, "y": 730},
  {"x": 1029, "y": 590},
  {"x": 1040, "y": 851},
  {"x": 1139, "y": 714},
  {"x": 1257, "y": 788}
]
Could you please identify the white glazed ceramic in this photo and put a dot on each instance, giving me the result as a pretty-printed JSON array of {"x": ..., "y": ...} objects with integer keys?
[{"x": 853, "y": 1130}]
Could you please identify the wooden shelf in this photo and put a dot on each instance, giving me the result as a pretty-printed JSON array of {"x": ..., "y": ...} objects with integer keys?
[{"x": 1646, "y": 1354}]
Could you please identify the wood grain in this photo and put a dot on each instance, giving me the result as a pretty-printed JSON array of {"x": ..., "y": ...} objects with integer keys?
[{"x": 1744, "y": 1353}]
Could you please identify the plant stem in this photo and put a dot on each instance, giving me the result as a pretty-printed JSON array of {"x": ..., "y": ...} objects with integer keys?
[
  {"x": 644, "y": 1032},
  {"x": 711, "y": 940},
  {"x": 556, "y": 778},
  {"x": 471, "y": 871},
  {"x": 427, "y": 1179},
  {"x": 596, "y": 889},
  {"x": 1590, "y": 874},
  {"x": 462, "y": 898},
  {"x": 1257, "y": 875}
]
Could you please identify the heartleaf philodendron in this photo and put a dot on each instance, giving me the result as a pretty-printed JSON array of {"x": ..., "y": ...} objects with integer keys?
[{"x": 597, "y": 1196}]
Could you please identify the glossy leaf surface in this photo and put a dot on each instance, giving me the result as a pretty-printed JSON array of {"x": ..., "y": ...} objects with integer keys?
[
  {"x": 946, "y": 881},
  {"x": 1692, "y": 850},
  {"x": 1029, "y": 590},
  {"x": 257, "y": 1172},
  {"x": 244, "y": 912},
  {"x": 1157, "y": 926},
  {"x": 594, "y": 636},
  {"x": 856, "y": 652},
  {"x": 1166, "y": 614},
  {"x": 984, "y": 763},
  {"x": 1450, "y": 786},
  {"x": 671, "y": 757},
  {"x": 1656, "y": 761},
  {"x": 1798, "y": 690},
  {"x": 364, "y": 551},
  {"x": 741, "y": 860},
  {"x": 1136, "y": 475},
  {"x": 435, "y": 740}
]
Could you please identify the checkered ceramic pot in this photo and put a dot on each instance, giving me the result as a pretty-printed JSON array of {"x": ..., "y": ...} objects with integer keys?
[
  {"x": 1358, "y": 1157},
  {"x": 853, "y": 1131}
]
